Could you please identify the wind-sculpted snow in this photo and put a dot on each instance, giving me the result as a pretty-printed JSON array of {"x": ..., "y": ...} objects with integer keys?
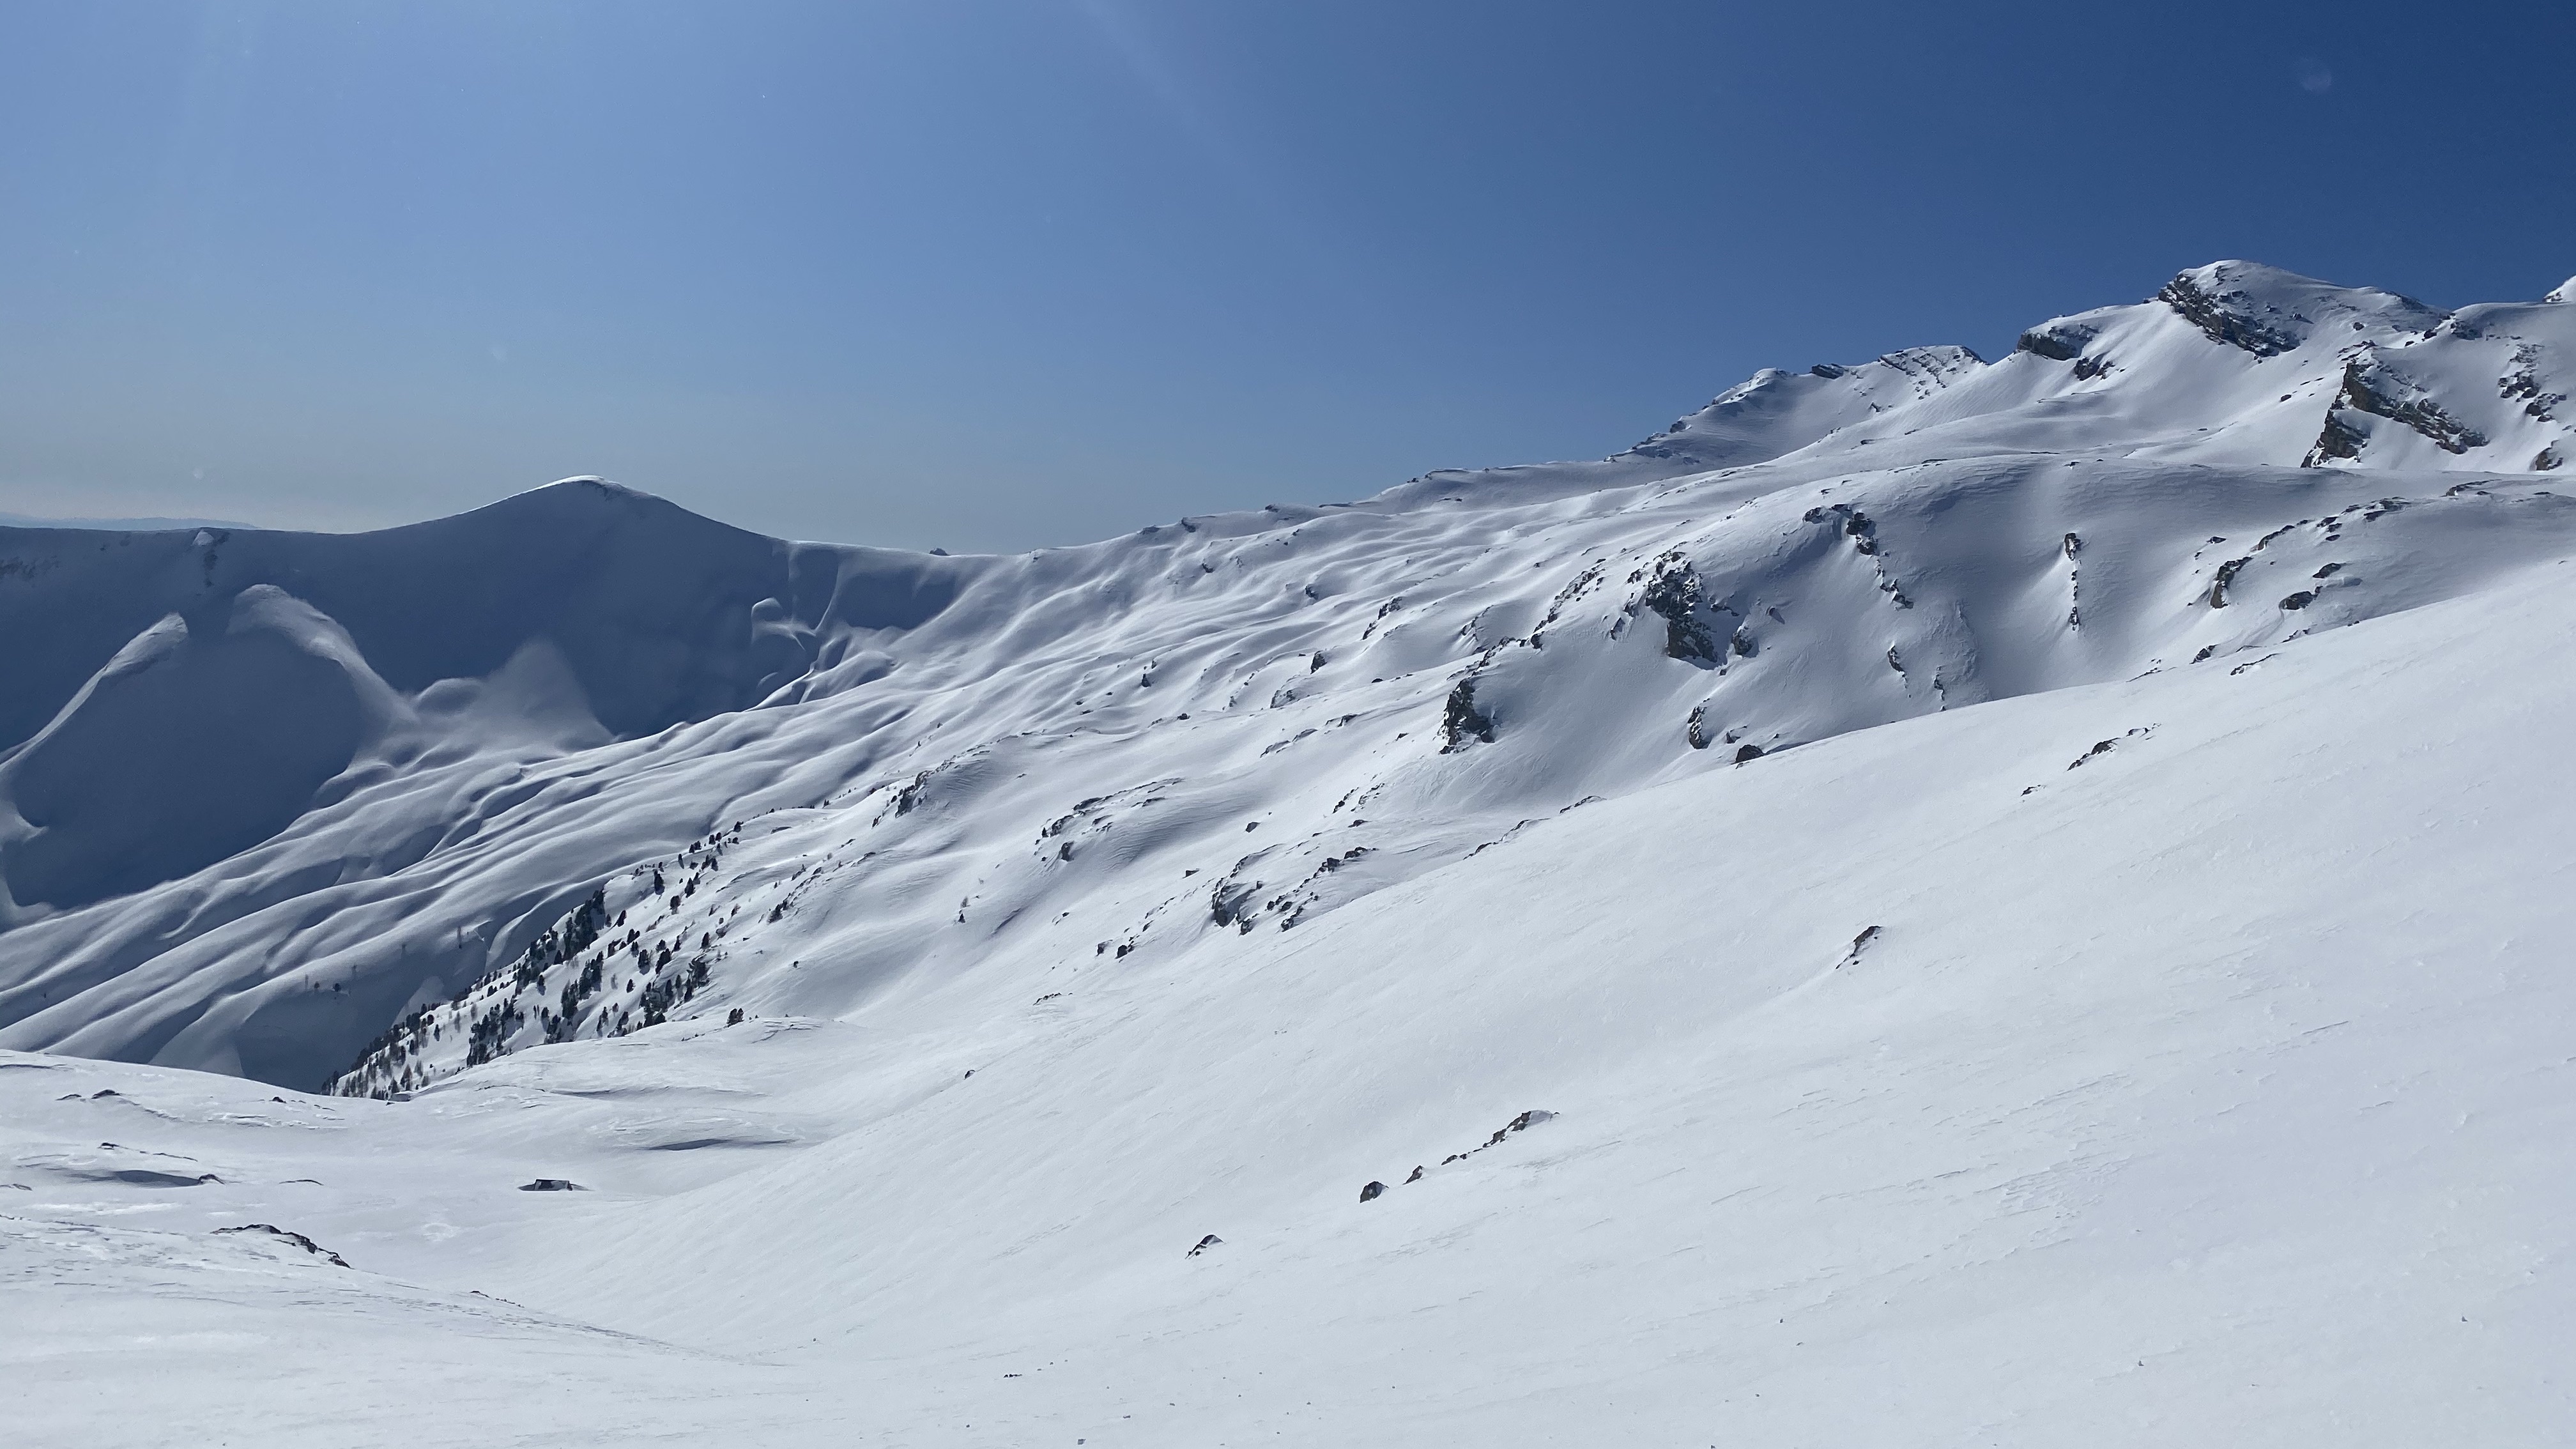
[
  {"x": 1900, "y": 910},
  {"x": 659, "y": 616},
  {"x": 317, "y": 790},
  {"x": 1924, "y": 1085}
]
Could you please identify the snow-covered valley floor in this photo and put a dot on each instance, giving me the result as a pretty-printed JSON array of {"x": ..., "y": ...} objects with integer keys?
[{"x": 2101, "y": 1008}]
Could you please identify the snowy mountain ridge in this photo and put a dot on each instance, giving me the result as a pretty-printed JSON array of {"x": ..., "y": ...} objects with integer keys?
[
  {"x": 473, "y": 725},
  {"x": 1932, "y": 901}
]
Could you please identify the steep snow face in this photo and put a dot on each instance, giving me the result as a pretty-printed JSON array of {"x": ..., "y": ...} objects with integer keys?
[
  {"x": 580, "y": 763},
  {"x": 179, "y": 697},
  {"x": 659, "y": 615},
  {"x": 198, "y": 740}
]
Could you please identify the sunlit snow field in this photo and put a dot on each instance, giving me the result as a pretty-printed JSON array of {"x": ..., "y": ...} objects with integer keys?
[{"x": 1932, "y": 902}]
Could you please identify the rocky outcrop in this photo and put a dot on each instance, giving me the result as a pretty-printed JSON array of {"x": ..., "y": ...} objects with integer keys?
[
  {"x": 2230, "y": 316},
  {"x": 2059, "y": 341},
  {"x": 1460, "y": 720},
  {"x": 2371, "y": 386}
]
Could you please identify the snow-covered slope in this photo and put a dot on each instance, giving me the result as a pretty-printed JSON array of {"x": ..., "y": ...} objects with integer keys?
[
  {"x": 1922, "y": 1086},
  {"x": 1251, "y": 858},
  {"x": 293, "y": 788}
]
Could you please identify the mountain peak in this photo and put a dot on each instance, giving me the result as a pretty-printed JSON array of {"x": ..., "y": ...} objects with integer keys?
[
  {"x": 2267, "y": 310},
  {"x": 588, "y": 490},
  {"x": 1776, "y": 411}
]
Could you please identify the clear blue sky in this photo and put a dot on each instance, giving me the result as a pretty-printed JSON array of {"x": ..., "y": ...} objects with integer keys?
[{"x": 993, "y": 275}]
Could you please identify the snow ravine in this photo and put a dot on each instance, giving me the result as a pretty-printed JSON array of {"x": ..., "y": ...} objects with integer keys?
[{"x": 1930, "y": 902}]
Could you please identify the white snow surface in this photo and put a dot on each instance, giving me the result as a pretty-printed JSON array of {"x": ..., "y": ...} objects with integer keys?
[{"x": 1931, "y": 902}]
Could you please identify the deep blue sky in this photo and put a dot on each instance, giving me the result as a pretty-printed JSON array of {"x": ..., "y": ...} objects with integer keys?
[{"x": 993, "y": 275}]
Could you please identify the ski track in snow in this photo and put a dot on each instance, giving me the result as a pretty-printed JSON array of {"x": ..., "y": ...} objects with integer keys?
[{"x": 2166, "y": 1045}]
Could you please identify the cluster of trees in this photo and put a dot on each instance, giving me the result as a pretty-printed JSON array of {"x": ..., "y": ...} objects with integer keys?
[
  {"x": 487, "y": 1032},
  {"x": 561, "y": 1024},
  {"x": 384, "y": 1059},
  {"x": 661, "y": 995},
  {"x": 562, "y": 941},
  {"x": 390, "y": 1063}
]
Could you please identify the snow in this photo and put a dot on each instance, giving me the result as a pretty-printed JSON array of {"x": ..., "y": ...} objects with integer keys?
[{"x": 2109, "y": 1002}]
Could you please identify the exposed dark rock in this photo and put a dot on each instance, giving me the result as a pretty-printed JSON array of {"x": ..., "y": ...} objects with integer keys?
[
  {"x": 1861, "y": 942},
  {"x": 2227, "y": 317},
  {"x": 2226, "y": 575},
  {"x": 1372, "y": 1192},
  {"x": 2338, "y": 439},
  {"x": 1229, "y": 902},
  {"x": 1210, "y": 1241},
  {"x": 910, "y": 795},
  {"x": 2299, "y": 600},
  {"x": 2371, "y": 386},
  {"x": 1747, "y": 752},
  {"x": 1674, "y": 594},
  {"x": 2524, "y": 384},
  {"x": 552, "y": 1184},
  {"x": 1461, "y": 721},
  {"x": 1521, "y": 1123},
  {"x": 2057, "y": 341},
  {"x": 298, "y": 1239}
]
